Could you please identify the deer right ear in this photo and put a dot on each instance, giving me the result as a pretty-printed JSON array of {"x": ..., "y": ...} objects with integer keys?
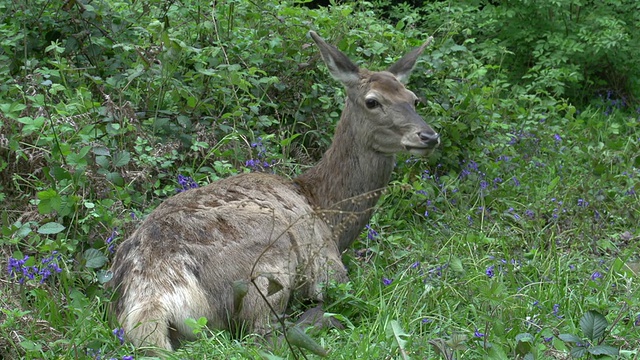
[
  {"x": 340, "y": 67},
  {"x": 403, "y": 67}
]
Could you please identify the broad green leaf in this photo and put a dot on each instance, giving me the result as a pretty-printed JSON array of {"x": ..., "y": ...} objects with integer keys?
[
  {"x": 297, "y": 337},
  {"x": 121, "y": 158},
  {"x": 604, "y": 350},
  {"x": 94, "y": 258},
  {"x": 524, "y": 337},
  {"x": 578, "y": 352},
  {"x": 552, "y": 185},
  {"x": 497, "y": 352},
  {"x": 101, "y": 151},
  {"x": 456, "y": 264},
  {"x": 569, "y": 338},
  {"x": 593, "y": 325},
  {"x": 398, "y": 334},
  {"x": 51, "y": 228},
  {"x": 104, "y": 276}
]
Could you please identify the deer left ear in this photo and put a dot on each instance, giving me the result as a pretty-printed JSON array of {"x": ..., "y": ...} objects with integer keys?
[
  {"x": 403, "y": 67},
  {"x": 340, "y": 67}
]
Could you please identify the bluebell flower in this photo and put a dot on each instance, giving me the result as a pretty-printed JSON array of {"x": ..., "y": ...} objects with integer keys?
[
  {"x": 110, "y": 243},
  {"x": 490, "y": 271},
  {"x": 596, "y": 275},
  {"x": 119, "y": 333},
  {"x": 371, "y": 233},
  {"x": 186, "y": 183}
]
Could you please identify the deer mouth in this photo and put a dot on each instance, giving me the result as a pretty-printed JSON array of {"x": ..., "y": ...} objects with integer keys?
[{"x": 420, "y": 150}]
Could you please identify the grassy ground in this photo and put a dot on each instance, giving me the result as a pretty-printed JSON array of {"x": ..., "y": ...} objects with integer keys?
[{"x": 518, "y": 239}]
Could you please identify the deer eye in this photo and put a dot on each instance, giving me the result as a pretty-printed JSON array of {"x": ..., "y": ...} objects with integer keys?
[
  {"x": 371, "y": 103},
  {"x": 416, "y": 102}
]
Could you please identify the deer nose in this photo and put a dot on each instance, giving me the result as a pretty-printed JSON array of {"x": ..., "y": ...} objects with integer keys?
[{"x": 429, "y": 137}]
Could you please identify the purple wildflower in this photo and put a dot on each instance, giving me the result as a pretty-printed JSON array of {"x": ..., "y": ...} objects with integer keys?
[
  {"x": 478, "y": 334},
  {"x": 110, "y": 239},
  {"x": 119, "y": 333},
  {"x": 516, "y": 182},
  {"x": 490, "y": 271},
  {"x": 371, "y": 233},
  {"x": 596, "y": 275},
  {"x": 186, "y": 183},
  {"x": 557, "y": 138},
  {"x": 387, "y": 281},
  {"x": 556, "y": 310},
  {"x": 48, "y": 267}
]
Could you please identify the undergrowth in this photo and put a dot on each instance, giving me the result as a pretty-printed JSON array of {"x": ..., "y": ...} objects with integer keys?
[{"x": 517, "y": 239}]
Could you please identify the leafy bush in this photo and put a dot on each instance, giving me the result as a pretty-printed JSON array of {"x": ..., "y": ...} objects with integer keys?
[{"x": 527, "y": 214}]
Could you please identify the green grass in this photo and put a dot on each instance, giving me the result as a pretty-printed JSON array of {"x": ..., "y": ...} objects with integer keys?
[{"x": 511, "y": 241}]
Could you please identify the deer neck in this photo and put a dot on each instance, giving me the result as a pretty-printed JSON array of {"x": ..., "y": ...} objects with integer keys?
[{"x": 346, "y": 184}]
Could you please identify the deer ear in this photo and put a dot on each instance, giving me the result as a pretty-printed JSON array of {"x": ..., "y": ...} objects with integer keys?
[
  {"x": 340, "y": 67},
  {"x": 403, "y": 67}
]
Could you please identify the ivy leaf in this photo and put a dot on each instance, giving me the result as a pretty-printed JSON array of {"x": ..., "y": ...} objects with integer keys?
[{"x": 593, "y": 325}]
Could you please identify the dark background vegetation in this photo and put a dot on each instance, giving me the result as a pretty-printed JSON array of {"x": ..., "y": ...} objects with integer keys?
[{"x": 103, "y": 103}]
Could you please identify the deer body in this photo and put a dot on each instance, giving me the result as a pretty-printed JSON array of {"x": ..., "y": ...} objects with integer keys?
[{"x": 261, "y": 229}]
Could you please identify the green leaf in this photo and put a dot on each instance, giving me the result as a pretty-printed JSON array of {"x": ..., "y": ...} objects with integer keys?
[
  {"x": 578, "y": 351},
  {"x": 398, "y": 334},
  {"x": 101, "y": 151},
  {"x": 94, "y": 258},
  {"x": 456, "y": 264},
  {"x": 297, "y": 337},
  {"x": 552, "y": 185},
  {"x": 31, "y": 346},
  {"x": 50, "y": 228},
  {"x": 104, "y": 276},
  {"x": 593, "y": 325},
  {"x": 121, "y": 158},
  {"x": 569, "y": 338},
  {"x": 604, "y": 350}
]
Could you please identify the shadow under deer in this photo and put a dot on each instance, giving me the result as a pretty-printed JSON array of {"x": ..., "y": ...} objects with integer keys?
[{"x": 241, "y": 248}]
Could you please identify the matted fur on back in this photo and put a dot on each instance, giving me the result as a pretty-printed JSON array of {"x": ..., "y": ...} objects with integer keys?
[{"x": 193, "y": 247}]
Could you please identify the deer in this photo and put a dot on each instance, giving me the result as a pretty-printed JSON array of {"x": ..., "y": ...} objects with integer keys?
[{"x": 240, "y": 249}]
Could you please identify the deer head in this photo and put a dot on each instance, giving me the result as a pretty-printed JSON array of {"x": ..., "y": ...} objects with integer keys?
[{"x": 379, "y": 103}]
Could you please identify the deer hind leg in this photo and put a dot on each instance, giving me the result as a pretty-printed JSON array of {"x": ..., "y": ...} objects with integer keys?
[
  {"x": 147, "y": 324},
  {"x": 266, "y": 297}
]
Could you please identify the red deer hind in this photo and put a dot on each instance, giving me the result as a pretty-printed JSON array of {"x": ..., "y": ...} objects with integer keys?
[{"x": 186, "y": 258}]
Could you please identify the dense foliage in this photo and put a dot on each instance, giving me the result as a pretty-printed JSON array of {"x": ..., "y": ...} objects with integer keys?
[{"x": 518, "y": 239}]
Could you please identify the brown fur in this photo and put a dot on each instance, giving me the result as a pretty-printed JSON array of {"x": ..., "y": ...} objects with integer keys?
[{"x": 183, "y": 260}]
